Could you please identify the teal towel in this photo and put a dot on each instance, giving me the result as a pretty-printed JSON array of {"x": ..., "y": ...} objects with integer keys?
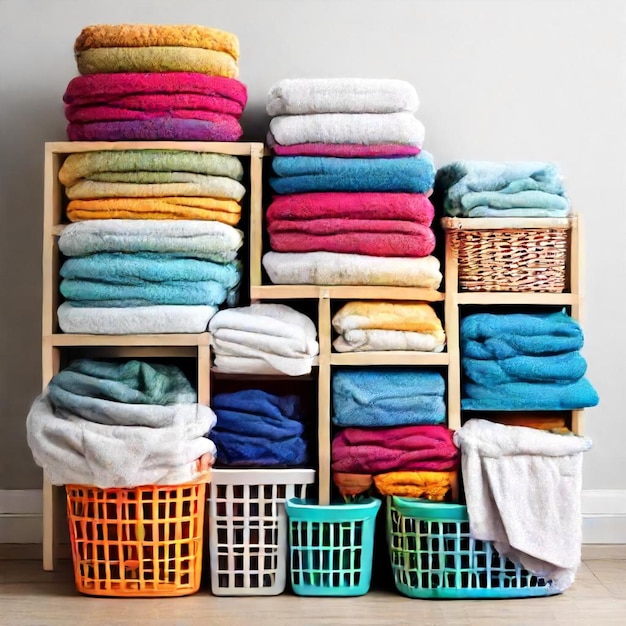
[{"x": 483, "y": 189}]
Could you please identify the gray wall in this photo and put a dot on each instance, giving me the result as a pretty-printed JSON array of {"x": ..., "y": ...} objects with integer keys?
[{"x": 498, "y": 80}]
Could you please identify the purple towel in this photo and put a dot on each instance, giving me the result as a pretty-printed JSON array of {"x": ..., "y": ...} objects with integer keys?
[
  {"x": 227, "y": 128},
  {"x": 346, "y": 150}
]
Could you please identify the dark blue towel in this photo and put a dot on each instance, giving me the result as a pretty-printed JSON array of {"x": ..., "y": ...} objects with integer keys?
[{"x": 239, "y": 449}]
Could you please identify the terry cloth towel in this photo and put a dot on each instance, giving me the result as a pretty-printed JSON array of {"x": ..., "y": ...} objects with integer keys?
[
  {"x": 481, "y": 188},
  {"x": 522, "y": 488},
  {"x": 156, "y": 59},
  {"x": 352, "y": 205},
  {"x": 304, "y": 174},
  {"x": 211, "y": 241},
  {"x": 361, "y": 128},
  {"x": 294, "y": 96},
  {"x": 351, "y": 236},
  {"x": 345, "y": 150},
  {"x": 532, "y": 420},
  {"x": 194, "y": 185},
  {"x": 258, "y": 418},
  {"x": 226, "y": 128},
  {"x": 332, "y": 268},
  {"x": 132, "y": 445},
  {"x": 430, "y": 485},
  {"x": 157, "y": 319},
  {"x": 387, "y": 397},
  {"x": 375, "y": 340},
  {"x": 275, "y": 334},
  {"x": 151, "y": 91},
  {"x": 143, "y": 35},
  {"x": 403, "y": 448},
  {"x": 350, "y": 485},
  {"x": 185, "y": 208},
  {"x": 132, "y": 382},
  {"x": 87, "y": 115},
  {"x": 144, "y": 166}
]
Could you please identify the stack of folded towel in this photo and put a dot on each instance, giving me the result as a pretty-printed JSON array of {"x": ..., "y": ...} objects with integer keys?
[
  {"x": 120, "y": 425},
  {"x": 263, "y": 339},
  {"x": 351, "y": 184},
  {"x": 518, "y": 189},
  {"x": 524, "y": 361},
  {"x": 392, "y": 432},
  {"x": 369, "y": 325},
  {"x": 256, "y": 428},
  {"x": 155, "y": 82}
]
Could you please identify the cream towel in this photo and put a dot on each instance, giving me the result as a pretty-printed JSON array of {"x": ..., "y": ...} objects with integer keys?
[
  {"x": 360, "y": 340},
  {"x": 249, "y": 365},
  {"x": 341, "y": 95},
  {"x": 523, "y": 490},
  {"x": 333, "y": 268}
]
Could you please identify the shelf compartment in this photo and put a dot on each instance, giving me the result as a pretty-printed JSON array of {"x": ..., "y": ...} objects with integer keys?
[
  {"x": 174, "y": 339},
  {"x": 398, "y": 357},
  {"x": 344, "y": 292}
]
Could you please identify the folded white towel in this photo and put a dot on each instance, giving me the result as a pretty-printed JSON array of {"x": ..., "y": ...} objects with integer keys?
[
  {"x": 200, "y": 239},
  {"x": 522, "y": 487},
  {"x": 140, "y": 320},
  {"x": 230, "y": 364},
  {"x": 333, "y": 268},
  {"x": 365, "y": 340},
  {"x": 294, "y": 96},
  {"x": 151, "y": 445},
  {"x": 362, "y": 128}
]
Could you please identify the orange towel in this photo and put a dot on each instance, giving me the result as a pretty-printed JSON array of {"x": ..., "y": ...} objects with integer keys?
[
  {"x": 431, "y": 485},
  {"x": 530, "y": 420},
  {"x": 352, "y": 484},
  {"x": 187, "y": 208}
]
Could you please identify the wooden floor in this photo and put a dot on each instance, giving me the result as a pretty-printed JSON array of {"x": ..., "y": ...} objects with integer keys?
[{"x": 30, "y": 596}]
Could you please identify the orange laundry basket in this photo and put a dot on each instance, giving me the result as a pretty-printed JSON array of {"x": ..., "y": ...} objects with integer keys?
[{"x": 137, "y": 542}]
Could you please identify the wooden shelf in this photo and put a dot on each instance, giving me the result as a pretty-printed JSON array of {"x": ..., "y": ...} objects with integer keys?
[
  {"x": 236, "y": 148},
  {"x": 555, "y": 299},
  {"x": 191, "y": 339},
  {"x": 343, "y": 292},
  {"x": 397, "y": 357}
]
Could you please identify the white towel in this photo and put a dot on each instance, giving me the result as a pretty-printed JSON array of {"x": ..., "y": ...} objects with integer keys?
[
  {"x": 365, "y": 340},
  {"x": 72, "y": 450},
  {"x": 202, "y": 239},
  {"x": 334, "y": 268},
  {"x": 363, "y": 128},
  {"x": 522, "y": 487},
  {"x": 280, "y": 336},
  {"x": 138, "y": 320},
  {"x": 229, "y": 364},
  {"x": 341, "y": 95}
]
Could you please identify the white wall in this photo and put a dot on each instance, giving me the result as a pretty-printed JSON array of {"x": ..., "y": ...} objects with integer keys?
[{"x": 498, "y": 80}]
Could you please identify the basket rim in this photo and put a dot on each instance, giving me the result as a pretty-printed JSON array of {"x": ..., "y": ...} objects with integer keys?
[
  {"x": 507, "y": 223},
  {"x": 309, "y": 510}
]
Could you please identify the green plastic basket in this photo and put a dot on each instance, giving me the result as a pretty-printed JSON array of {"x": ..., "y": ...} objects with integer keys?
[
  {"x": 433, "y": 556},
  {"x": 331, "y": 547}
]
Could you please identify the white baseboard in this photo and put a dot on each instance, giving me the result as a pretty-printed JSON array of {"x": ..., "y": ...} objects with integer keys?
[{"x": 604, "y": 516}]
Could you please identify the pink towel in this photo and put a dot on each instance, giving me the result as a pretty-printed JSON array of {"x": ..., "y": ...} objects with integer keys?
[
  {"x": 112, "y": 114},
  {"x": 415, "y": 207},
  {"x": 106, "y": 88},
  {"x": 403, "y": 448},
  {"x": 162, "y": 128},
  {"x": 348, "y": 150}
]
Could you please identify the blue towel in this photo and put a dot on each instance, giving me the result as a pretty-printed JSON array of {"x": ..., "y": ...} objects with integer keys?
[
  {"x": 504, "y": 335},
  {"x": 529, "y": 396},
  {"x": 387, "y": 397},
  {"x": 471, "y": 188},
  {"x": 301, "y": 174},
  {"x": 560, "y": 368},
  {"x": 240, "y": 450},
  {"x": 258, "y": 402}
]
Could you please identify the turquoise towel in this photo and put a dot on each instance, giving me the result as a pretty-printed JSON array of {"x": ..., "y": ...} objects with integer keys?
[
  {"x": 302, "y": 174},
  {"x": 482, "y": 189},
  {"x": 529, "y": 396},
  {"x": 387, "y": 397}
]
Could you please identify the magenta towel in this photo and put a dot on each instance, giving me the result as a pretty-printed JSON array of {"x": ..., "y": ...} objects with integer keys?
[
  {"x": 156, "y": 102},
  {"x": 106, "y": 88},
  {"x": 105, "y": 113},
  {"x": 162, "y": 128},
  {"x": 347, "y": 150},
  {"x": 402, "y": 448},
  {"x": 415, "y": 207}
]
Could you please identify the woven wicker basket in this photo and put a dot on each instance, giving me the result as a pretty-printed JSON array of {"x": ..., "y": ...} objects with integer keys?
[{"x": 510, "y": 258}]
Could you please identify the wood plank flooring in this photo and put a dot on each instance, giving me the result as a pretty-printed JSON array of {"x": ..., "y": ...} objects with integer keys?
[{"x": 31, "y": 597}]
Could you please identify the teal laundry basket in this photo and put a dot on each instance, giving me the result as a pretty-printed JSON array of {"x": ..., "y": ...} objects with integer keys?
[
  {"x": 331, "y": 547},
  {"x": 433, "y": 556}
]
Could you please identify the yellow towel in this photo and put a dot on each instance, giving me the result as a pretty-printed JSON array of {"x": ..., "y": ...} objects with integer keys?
[
  {"x": 225, "y": 211},
  {"x": 431, "y": 485},
  {"x": 142, "y": 35},
  {"x": 156, "y": 59},
  {"x": 412, "y": 316}
]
